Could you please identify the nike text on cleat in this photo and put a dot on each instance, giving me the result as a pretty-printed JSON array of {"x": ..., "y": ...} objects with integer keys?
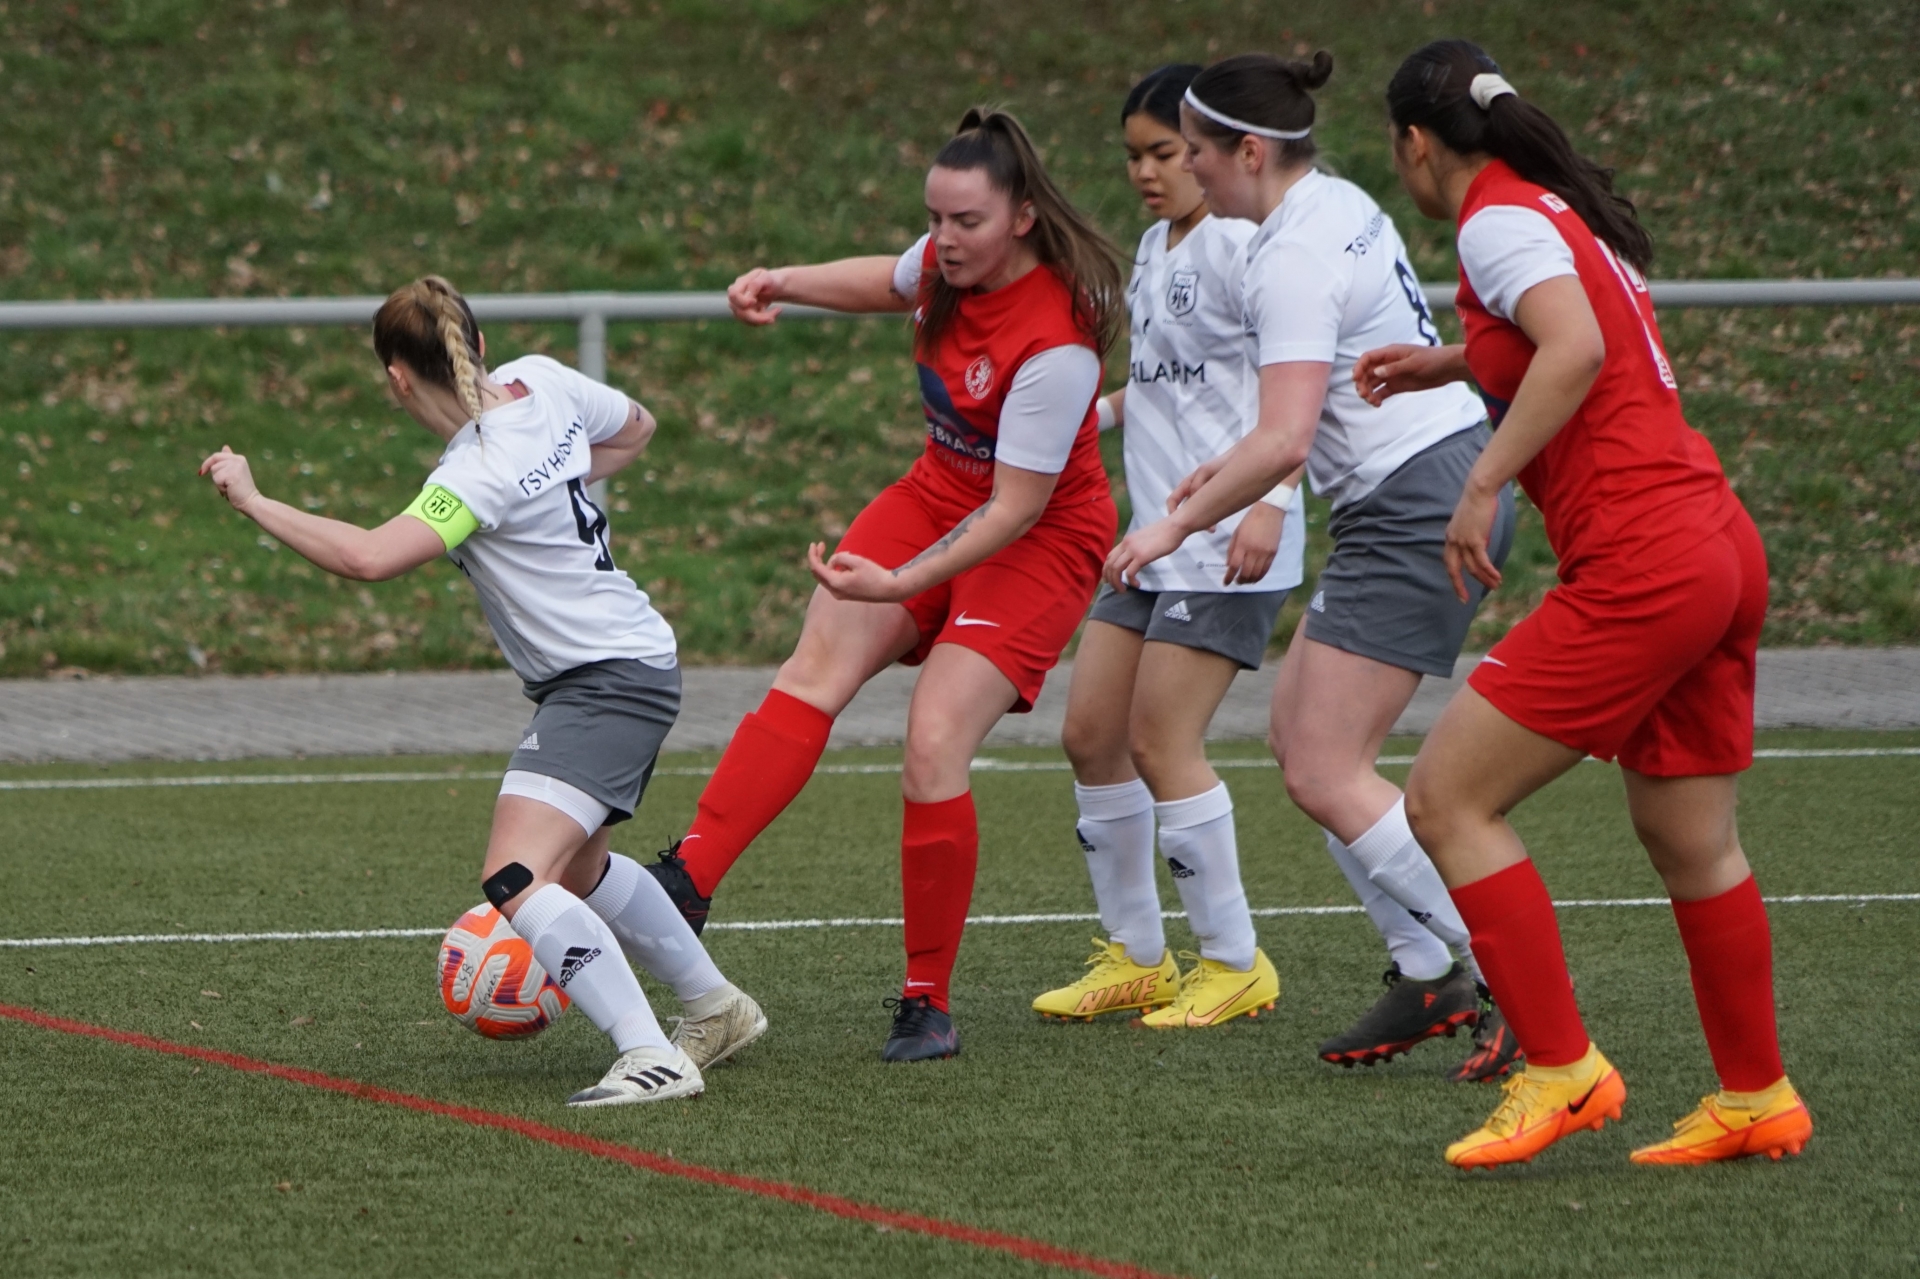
[
  {"x": 1212, "y": 994},
  {"x": 673, "y": 876},
  {"x": 712, "y": 1039},
  {"x": 1411, "y": 1011},
  {"x": 920, "y": 1032},
  {"x": 1495, "y": 1050},
  {"x": 644, "y": 1074},
  {"x": 1772, "y": 1122},
  {"x": 1113, "y": 984},
  {"x": 1541, "y": 1106}
]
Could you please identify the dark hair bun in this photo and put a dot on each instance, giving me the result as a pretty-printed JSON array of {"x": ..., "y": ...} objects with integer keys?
[{"x": 1312, "y": 74}]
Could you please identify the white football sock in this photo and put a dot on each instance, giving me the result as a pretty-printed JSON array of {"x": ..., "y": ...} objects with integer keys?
[
  {"x": 1420, "y": 954},
  {"x": 651, "y": 929},
  {"x": 1394, "y": 860},
  {"x": 1116, "y": 832},
  {"x": 577, "y": 948},
  {"x": 1197, "y": 839}
]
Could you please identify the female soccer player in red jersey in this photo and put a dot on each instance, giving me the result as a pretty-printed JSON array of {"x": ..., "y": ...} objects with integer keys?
[
  {"x": 978, "y": 564},
  {"x": 1327, "y": 279},
  {"x": 1645, "y": 650}
]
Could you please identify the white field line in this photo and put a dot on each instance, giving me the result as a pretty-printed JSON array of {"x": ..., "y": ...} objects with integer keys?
[
  {"x": 984, "y": 764},
  {"x": 795, "y": 925}
]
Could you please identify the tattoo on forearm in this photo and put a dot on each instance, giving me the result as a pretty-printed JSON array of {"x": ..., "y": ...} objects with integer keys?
[{"x": 958, "y": 531}]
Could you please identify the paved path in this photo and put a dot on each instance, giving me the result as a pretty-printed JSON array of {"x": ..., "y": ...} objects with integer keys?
[{"x": 222, "y": 717}]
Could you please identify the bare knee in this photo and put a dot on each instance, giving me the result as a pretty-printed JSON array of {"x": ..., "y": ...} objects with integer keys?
[{"x": 1098, "y": 754}]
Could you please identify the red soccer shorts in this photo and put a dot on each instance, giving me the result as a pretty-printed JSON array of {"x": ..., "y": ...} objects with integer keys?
[
  {"x": 1655, "y": 669},
  {"x": 1017, "y": 608}
]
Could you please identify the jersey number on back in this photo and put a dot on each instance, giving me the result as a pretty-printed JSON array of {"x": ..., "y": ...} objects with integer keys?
[
  {"x": 1422, "y": 318},
  {"x": 591, "y": 523}
]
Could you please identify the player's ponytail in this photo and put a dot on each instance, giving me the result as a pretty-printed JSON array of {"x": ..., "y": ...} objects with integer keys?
[
  {"x": 430, "y": 326},
  {"x": 1063, "y": 238},
  {"x": 1454, "y": 90},
  {"x": 1259, "y": 94}
]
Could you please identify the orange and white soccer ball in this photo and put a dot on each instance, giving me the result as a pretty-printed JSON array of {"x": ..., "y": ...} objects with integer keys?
[{"x": 490, "y": 981}]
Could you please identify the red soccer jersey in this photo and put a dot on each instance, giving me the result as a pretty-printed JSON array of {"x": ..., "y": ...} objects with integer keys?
[
  {"x": 1626, "y": 478},
  {"x": 964, "y": 383}
]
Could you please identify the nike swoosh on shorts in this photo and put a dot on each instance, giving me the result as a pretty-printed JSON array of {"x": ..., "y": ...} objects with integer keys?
[{"x": 964, "y": 620}]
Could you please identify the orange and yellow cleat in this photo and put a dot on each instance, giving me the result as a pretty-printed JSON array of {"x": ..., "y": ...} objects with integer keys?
[
  {"x": 1543, "y": 1104},
  {"x": 1731, "y": 1125}
]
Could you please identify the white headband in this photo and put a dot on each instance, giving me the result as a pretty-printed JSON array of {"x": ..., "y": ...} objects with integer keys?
[
  {"x": 1486, "y": 87},
  {"x": 1259, "y": 130}
]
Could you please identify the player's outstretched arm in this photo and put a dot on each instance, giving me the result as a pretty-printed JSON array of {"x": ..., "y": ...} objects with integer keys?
[
  {"x": 1405, "y": 366},
  {"x": 1018, "y": 501},
  {"x": 346, "y": 550},
  {"x": 856, "y": 285}
]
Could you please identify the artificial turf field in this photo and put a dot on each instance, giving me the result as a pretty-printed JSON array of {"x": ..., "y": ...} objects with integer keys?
[{"x": 1229, "y": 1152}]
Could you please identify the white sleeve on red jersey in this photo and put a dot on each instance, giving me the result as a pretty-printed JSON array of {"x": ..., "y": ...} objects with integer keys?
[
  {"x": 1506, "y": 249},
  {"x": 1049, "y": 399},
  {"x": 906, "y": 272}
]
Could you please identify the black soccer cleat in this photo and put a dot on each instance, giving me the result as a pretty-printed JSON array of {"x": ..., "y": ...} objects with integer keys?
[
  {"x": 1495, "y": 1051},
  {"x": 920, "y": 1032},
  {"x": 1410, "y": 1012},
  {"x": 673, "y": 876}
]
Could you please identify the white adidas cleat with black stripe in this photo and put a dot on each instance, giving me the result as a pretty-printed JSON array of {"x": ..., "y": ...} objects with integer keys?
[{"x": 645, "y": 1074}]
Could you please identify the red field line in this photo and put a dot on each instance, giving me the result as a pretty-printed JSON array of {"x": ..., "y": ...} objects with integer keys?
[{"x": 1033, "y": 1250}]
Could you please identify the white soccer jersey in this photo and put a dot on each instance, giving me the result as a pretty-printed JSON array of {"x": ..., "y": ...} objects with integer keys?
[
  {"x": 1193, "y": 390},
  {"x": 540, "y": 558},
  {"x": 1328, "y": 280}
]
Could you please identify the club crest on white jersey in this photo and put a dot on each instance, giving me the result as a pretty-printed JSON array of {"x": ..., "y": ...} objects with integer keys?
[{"x": 1183, "y": 293}]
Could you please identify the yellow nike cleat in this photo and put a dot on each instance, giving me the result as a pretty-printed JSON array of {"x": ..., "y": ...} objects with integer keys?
[
  {"x": 1212, "y": 993},
  {"x": 1543, "y": 1104},
  {"x": 1114, "y": 983},
  {"x": 1729, "y": 1125}
]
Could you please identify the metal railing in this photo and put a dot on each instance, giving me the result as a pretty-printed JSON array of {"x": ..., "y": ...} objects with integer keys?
[{"x": 592, "y": 312}]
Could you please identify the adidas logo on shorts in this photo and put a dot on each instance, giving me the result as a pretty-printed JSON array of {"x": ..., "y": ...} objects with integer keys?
[
  {"x": 1178, "y": 613},
  {"x": 1319, "y": 604},
  {"x": 532, "y": 743}
]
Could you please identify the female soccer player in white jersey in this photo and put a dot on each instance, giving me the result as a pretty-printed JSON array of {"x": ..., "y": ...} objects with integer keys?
[
  {"x": 1155, "y": 661},
  {"x": 508, "y": 505},
  {"x": 1327, "y": 279},
  {"x": 979, "y": 562}
]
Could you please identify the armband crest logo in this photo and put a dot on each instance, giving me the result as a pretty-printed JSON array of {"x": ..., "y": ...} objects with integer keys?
[
  {"x": 440, "y": 506},
  {"x": 980, "y": 378}
]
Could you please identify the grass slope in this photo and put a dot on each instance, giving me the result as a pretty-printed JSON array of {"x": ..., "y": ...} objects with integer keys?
[
  {"x": 172, "y": 148},
  {"x": 1230, "y": 1153}
]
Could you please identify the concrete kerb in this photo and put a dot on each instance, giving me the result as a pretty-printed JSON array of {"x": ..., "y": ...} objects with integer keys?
[{"x": 102, "y": 720}]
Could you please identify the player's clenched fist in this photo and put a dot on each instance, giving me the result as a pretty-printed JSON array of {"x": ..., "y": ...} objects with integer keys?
[
  {"x": 232, "y": 476},
  {"x": 752, "y": 296}
]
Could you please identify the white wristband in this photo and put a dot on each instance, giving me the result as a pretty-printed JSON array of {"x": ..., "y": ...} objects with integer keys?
[
  {"x": 1281, "y": 496},
  {"x": 1103, "y": 415}
]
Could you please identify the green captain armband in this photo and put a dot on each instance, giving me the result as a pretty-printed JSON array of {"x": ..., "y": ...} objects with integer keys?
[{"x": 444, "y": 513}]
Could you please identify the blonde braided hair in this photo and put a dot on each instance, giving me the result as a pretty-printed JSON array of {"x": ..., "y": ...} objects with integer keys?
[{"x": 430, "y": 326}]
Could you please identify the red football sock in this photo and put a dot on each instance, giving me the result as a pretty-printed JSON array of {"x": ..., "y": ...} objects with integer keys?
[
  {"x": 769, "y": 760},
  {"x": 1517, "y": 941},
  {"x": 939, "y": 849},
  {"x": 1730, "y": 950}
]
